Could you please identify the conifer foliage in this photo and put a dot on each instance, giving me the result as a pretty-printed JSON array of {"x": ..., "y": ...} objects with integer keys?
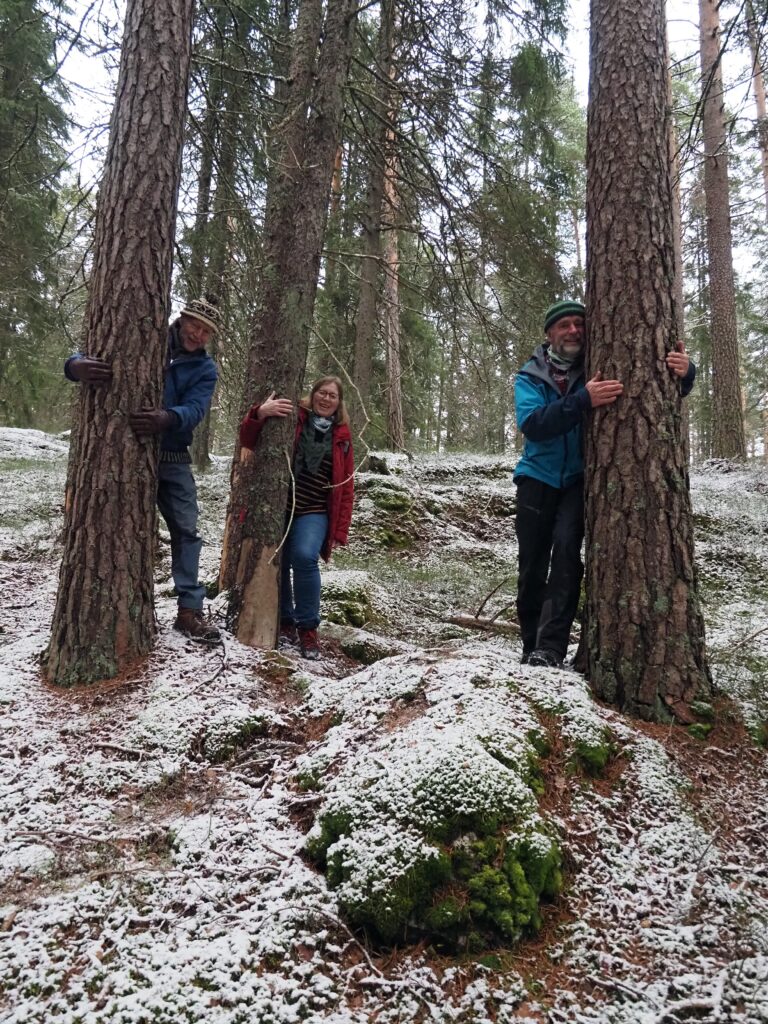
[{"x": 32, "y": 136}]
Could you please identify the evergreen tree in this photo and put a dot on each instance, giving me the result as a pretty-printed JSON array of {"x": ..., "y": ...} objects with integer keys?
[
  {"x": 645, "y": 631},
  {"x": 33, "y": 134},
  {"x": 104, "y": 616}
]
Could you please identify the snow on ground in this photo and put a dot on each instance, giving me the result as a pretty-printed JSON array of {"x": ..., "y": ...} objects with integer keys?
[{"x": 153, "y": 861}]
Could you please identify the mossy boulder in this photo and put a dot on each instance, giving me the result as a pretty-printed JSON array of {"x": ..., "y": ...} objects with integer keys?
[
  {"x": 396, "y": 538},
  {"x": 229, "y": 732},
  {"x": 434, "y": 830},
  {"x": 364, "y": 647},
  {"x": 346, "y": 599}
]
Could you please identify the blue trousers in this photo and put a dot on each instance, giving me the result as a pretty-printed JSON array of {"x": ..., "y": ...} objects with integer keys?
[
  {"x": 177, "y": 501},
  {"x": 300, "y": 596}
]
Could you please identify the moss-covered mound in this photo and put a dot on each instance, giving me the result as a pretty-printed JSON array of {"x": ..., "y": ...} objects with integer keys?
[
  {"x": 346, "y": 598},
  {"x": 432, "y": 828}
]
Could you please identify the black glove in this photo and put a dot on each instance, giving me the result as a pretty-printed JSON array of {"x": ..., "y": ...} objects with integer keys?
[
  {"x": 152, "y": 421},
  {"x": 90, "y": 371}
]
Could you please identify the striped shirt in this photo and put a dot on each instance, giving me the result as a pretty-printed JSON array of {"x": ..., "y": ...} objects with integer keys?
[{"x": 312, "y": 491}]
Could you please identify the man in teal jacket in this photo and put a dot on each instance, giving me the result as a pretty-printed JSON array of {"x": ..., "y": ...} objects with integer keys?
[
  {"x": 190, "y": 378},
  {"x": 551, "y": 400}
]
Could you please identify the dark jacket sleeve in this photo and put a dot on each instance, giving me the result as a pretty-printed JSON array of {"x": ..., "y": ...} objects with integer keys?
[
  {"x": 347, "y": 498},
  {"x": 68, "y": 363},
  {"x": 540, "y": 420},
  {"x": 686, "y": 382}
]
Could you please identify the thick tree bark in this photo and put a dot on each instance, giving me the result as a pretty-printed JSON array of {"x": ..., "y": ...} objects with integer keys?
[
  {"x": 728, "y": 439},
  {"x": 293, "y": 237},
  {"x": 104, "y": 616},
  {"x": 758, "y": 86},
  {"x": 645, "y": 629}
]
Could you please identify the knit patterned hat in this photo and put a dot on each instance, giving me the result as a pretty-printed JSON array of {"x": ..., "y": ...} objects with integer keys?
[
  {"x": 204, "y": 311},
  {"x": 566, "y": 307}
]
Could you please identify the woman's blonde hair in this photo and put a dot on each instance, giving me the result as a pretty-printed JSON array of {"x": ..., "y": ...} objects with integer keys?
[{"x": 341, "y": 415}]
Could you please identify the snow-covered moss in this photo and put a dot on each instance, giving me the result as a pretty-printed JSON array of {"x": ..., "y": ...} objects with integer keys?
[{"x": 432, "y": 826}]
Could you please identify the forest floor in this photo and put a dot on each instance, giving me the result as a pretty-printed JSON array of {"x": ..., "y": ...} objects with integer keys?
[{"x": 153, "y": 862}]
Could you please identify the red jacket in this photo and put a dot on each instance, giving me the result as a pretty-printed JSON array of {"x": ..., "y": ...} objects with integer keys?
[{"x": 342, "y": 492}]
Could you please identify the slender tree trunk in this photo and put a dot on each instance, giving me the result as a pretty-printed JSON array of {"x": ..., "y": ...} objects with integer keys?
[
  {"x": 395, "y": 425},
  {"x": 728, "y": 422},
  {"x": 758, "y": 85},
  {"x": 366, "y": 314},
  {"x": 645, "y": 629},
  {"x": 293, "y": 237},
  {"x": 104, "y": 616},
  {"x": 208, "y": 146},
  {"x": 218, "y": 235},
  {"x": 334, "y": 216},
  {"x": 577, "y": 242},
  {"x": 390, "y": 218}
]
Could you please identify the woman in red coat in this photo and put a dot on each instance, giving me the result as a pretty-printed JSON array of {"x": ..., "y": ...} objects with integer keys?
[{"x": 323, "y": 473}]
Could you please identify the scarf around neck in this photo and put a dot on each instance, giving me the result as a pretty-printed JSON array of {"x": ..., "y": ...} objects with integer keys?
[{"x": 315, "y": 441}]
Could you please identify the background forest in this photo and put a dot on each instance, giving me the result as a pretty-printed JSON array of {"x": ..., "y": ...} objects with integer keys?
[{"x": 456, "y": 215}]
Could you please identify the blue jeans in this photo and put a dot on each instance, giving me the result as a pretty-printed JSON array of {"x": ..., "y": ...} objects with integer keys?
[
  {"x": 177, "y": 501},
  {"x": 300, "y": 603}
]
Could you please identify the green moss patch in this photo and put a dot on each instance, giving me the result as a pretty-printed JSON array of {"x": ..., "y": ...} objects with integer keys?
[
  {"x": 346, "y": 600},
  {"x": 433, "y": 830}
]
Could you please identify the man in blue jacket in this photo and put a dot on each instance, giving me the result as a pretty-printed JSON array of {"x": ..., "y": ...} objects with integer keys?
[
  {"x": 190, "y": 378},
  {"x": 551, "y": 400}
]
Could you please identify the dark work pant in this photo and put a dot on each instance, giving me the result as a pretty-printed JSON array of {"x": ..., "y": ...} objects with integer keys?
[{"x": 550, "y": 529}]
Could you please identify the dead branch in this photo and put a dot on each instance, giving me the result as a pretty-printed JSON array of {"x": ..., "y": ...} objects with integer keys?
[{"x": 488, "y": 625}]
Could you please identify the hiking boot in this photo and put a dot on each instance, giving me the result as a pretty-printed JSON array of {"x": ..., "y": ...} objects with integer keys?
[
  {"x": 288, "y": 638},
  {"x": 308, "y": 642},
  {"x": 543, "y": 658},
  {"x": 192, "y": 623}
]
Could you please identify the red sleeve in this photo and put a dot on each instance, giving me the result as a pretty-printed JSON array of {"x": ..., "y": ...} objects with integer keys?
[
  {"x": 347, "y": 498},
  {"x": 250, "y": 428}
]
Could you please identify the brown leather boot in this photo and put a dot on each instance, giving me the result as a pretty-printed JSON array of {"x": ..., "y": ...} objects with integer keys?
[
  {"x": 309, "y": 644},
  {"x": 192, "y": 623}
]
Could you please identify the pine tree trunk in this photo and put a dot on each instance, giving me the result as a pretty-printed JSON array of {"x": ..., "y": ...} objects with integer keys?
[
  {"x": 645, "y": 629},
  {"x": 104, "y": 616},
  {"x": 390, "y": 217},
  {"x": 728, "y": 422},
  {"x": 677, "y": 234},
  {"x": 370, "y": 264},
  {"x": 208, "y": 145},
  {"x": 218, "y": 234},
  {"x": 758, "y": 86},
  {"x": 293, "y": 237},
  {"x": 395, "y": 425}
]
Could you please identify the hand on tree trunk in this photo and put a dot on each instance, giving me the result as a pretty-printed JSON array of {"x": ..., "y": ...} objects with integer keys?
[
  {"x": 151, "y": 421},
  {"x": 90, "y": 371},
  {"x": 274, "y": 407},
  {"x": 678, "y": 360},
  {"x": 603, "y": 392}
]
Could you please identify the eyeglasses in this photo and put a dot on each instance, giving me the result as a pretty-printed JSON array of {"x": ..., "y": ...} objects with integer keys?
[{"x": 330, "y": 395}]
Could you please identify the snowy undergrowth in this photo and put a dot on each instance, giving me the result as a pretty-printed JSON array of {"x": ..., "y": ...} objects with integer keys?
[
  {"x": 732, "y": 554},
  {"x": 154, "y": 866}
]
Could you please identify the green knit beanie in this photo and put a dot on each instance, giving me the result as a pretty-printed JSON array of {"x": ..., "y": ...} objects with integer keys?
[{"x": 566, "y": 307}]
